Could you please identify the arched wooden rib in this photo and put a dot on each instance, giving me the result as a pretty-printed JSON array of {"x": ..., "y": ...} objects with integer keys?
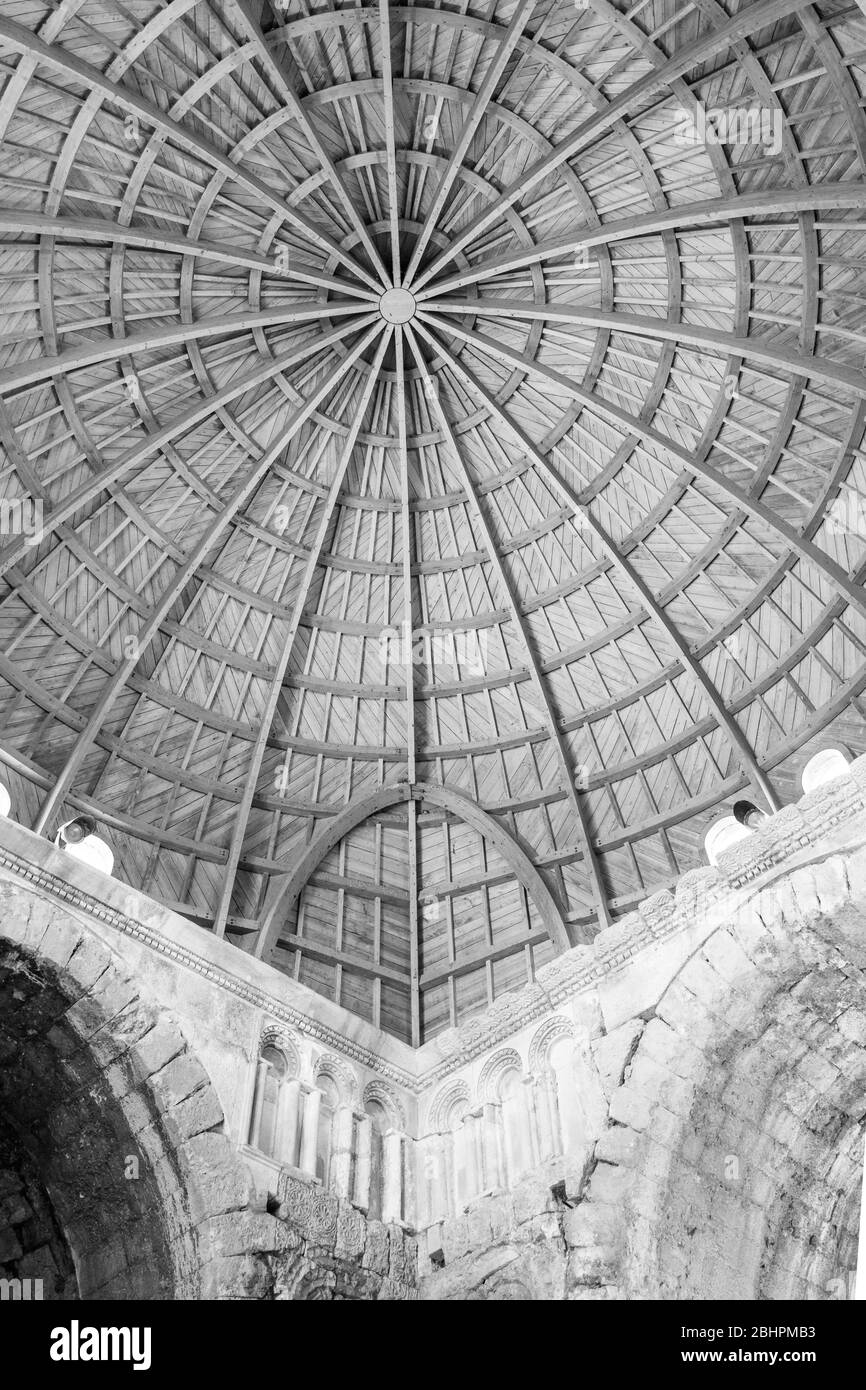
[
  {"x": 107, "y": 349},
  {"x": 98, "y": 229},
  {"x": 73, "y": 502},
  {"x": 390, "y": 138},
  {"x": 518, "y": 23},
  {"x": 288, "y": 98},
  {"x": 287, "y": 892}
]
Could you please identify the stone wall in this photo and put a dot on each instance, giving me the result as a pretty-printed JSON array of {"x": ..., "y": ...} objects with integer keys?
[
  {"x": 694, "y": 1085},
  {"x": 728, "y": 1161},
  {"x": 32, "y": 1246}
]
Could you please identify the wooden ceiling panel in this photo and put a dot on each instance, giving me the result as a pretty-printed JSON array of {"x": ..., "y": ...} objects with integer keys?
[{"x": 474, "y": 424}]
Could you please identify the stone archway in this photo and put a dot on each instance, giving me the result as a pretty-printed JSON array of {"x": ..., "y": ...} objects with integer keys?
[
  {"x": 732, "y": 1163},
  {"x": 120, "y": 1178}
]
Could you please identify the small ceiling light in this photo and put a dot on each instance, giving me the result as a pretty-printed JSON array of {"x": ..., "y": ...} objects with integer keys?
[
  {"x": 747, "y": 814},
  {"x": 5, "y": 800},
  {"x": 77, "y": 837}
]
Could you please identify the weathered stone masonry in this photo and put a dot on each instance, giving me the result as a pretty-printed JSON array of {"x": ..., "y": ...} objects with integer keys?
[{"x": 676, "y": 1111}]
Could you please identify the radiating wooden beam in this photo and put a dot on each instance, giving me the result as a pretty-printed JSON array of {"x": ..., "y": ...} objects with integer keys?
[
  {"x": 841, "y": 580},
  {"x": 266, "y": 718},
  {"x": 108, "y": 349},
  {"x": 23, "y": 40},
  {"x": 756, "y": 15},
  {"x": 692, "y": 335},
  {"x": 159, "y": 239},
  {"x": 73, "y": 501},
  {"x": 390, "y": 139},
  {"x": 483, "y": 96},
  {"x": 289, "y": 98},
  {"x": 740, "y": 746},
  {"x": 682, "y": 219},
  {"x": 182, "y": 577},
  {"x": 557, "y": 738}
]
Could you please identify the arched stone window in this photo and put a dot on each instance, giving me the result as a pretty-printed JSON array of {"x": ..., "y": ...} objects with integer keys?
[
  {"x": 275, "y": 1073},
  {"x": 823, "y": 767},
  {"x": 274, "y": 1120}
]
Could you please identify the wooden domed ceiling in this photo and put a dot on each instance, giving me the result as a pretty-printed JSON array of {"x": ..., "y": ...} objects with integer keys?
[{"x": 433, "y": 472}]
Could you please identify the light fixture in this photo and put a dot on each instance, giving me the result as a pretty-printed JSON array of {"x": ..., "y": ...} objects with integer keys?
[
  {"x": 5, "y": 800},
  {"x": 79, "y": 839},
  {"x": 747, "y": 814}
]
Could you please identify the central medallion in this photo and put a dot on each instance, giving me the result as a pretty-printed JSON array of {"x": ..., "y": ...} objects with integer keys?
[{"x": 397, "y": 306}]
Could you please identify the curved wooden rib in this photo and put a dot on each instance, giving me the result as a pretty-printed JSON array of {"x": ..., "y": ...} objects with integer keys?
[
  {"x": 458, "y": 805},
  {"x": 685, "y": 216},
  {"x": 79, "y": 497}
]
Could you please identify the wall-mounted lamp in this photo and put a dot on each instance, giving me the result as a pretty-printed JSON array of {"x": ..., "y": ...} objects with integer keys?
[{"x": 79, "y": 839}]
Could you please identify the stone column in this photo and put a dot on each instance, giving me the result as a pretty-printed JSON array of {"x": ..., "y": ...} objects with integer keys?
[
  {"x": 548, "y": 1120},
  {"x": 288, "y": 1118},
  {"x": 341, "y": 1153},
  {"x": 363, "y": 1157},
  {"x": 474, "y": 1165},
  {"x": 258, "y": 1103},
  {"x": 310, "y": 1132},
  {"x": 392, "y": 1177},
  {"x": 491, "y": 1143},
  {"x": 436, "y": 1180},
  {"x": 530, "y": 1119}
]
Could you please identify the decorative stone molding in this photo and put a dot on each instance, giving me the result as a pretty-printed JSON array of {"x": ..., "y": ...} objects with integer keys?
[
  {"x": 384, "y": 1096},
  {"x": 288, "y": 1042},
  {"x": 493, "y": 1071},
  {"x": 543, "y": 1040},
  {"x": 798, "y": 831},
  {"x": 441, "y": 1104},
  {"x": 342, "y": 1076}
]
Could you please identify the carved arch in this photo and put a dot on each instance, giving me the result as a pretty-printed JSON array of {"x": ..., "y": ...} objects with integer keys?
[{"x": 507, "y": 1059}]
